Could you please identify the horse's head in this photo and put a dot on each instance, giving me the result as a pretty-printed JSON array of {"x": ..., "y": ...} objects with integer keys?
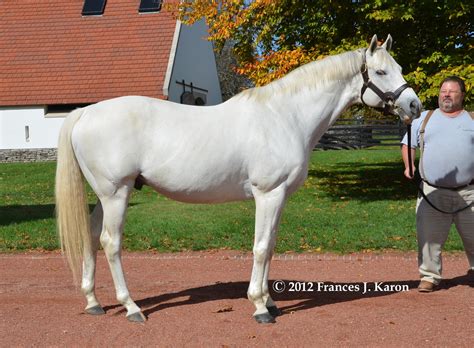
[{"x": 384, "y": 87}]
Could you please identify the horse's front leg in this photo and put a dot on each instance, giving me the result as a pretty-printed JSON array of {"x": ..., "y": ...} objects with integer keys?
[
  {"x": 269, "y": 303},
  {"x": 269, "y": 206},
  {"x": 90, "y": 257}
]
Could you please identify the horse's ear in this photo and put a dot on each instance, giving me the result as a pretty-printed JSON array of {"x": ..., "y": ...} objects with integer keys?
[
  {"x": 388, "y": 43},
  {"x": 373, "y": 44}
]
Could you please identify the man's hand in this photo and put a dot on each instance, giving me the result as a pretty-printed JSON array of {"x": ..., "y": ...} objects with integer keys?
[{"x": 407, "y": 173}]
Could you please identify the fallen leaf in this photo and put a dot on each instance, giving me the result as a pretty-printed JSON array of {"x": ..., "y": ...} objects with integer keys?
[{"x": 224, "y": 309}]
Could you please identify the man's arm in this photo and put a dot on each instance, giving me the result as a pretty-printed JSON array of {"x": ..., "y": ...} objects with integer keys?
[{"x": 405, "y": 161}]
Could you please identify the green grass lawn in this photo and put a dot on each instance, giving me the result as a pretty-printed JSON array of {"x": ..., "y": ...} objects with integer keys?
[{"x": 352, "y": 201}]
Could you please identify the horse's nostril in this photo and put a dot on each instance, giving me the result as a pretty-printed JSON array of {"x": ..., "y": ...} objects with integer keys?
[{"x": 415, "y": 107}]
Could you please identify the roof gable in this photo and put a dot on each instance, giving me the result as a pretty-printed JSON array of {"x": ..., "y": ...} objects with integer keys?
[{"x": 51, "y": 54}]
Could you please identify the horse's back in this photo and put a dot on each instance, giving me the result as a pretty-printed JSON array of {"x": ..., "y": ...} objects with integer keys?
[{"x": 184, "y": 152}]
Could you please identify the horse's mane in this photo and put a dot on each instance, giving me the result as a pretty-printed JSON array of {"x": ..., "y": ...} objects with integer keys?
[{"x": 315, "y": 74}]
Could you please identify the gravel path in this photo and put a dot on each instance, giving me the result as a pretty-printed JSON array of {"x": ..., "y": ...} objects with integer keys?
[{"x": 199, "y": 299}]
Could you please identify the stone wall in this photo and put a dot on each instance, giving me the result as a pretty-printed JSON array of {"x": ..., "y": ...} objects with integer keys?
[{"x": 27, "y": 155}]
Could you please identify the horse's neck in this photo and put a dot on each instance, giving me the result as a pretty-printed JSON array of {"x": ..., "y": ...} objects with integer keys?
[{"x": 316, "y": 108}]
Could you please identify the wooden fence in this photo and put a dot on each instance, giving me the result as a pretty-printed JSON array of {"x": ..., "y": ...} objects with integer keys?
[{"x": 357, "y": 134}]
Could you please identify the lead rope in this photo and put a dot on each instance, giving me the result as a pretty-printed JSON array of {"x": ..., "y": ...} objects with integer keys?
[{"x": 410, "y": 165}]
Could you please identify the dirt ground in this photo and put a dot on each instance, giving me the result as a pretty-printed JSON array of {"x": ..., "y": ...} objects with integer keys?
[{"x": 199, "y": 299}]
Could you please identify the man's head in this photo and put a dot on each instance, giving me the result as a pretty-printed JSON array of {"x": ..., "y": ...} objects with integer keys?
[{"x": 451, "y": 94}]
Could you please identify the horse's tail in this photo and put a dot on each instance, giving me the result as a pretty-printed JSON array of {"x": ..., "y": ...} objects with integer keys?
[{"x": 72, "y": 211}]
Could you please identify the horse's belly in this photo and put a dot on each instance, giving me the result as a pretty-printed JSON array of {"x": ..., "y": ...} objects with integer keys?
[
  {"x": 198, "y": 175},
  {"x": 200, "y": 194}
]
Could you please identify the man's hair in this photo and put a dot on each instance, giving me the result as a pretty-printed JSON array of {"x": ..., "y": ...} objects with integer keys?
[{"x": 456, "y": 79}]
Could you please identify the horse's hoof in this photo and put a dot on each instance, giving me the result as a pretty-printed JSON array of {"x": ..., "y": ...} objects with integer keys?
[
  {"x": 136, "y": 317},
  {"x": 264, "y": 318},
  {"x": 96, "y": 310},
  {"x": 274, "y": 311}
]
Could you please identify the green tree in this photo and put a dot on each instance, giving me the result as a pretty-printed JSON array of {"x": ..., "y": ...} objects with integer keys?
[{"x": 433, "y": 39}]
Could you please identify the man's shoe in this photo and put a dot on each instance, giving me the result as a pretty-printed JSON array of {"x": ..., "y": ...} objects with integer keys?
[{"x": 426, "y": 286}]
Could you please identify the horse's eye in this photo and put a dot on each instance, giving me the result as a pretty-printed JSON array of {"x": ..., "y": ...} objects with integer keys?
[{"x": 381, "y": 72}]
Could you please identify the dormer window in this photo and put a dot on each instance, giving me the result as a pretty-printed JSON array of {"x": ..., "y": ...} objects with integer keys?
[
  {"x": 149, "y": 6},
  {"x": 93, "y": 7}
]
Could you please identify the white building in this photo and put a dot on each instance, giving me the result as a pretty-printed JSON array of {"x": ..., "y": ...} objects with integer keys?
[{"x": 59, "y": 55}]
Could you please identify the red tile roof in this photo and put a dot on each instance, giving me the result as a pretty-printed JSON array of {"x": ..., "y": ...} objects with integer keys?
[{"x": 51, "y": 54}]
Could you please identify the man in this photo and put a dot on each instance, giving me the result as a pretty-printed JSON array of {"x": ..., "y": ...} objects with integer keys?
[{"x": 447, "y": 171}]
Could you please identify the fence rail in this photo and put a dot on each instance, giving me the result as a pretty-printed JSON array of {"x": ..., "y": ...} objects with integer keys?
[{"x": 354, "y": 134}]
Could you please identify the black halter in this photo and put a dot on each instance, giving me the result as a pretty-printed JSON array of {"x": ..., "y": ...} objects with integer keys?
[{"x": 388, "y": 98}]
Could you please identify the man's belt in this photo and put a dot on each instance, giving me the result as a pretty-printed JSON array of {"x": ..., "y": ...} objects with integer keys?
[
  {"x": 420, "y": 190},
  {"x": 457, "y": 188}
]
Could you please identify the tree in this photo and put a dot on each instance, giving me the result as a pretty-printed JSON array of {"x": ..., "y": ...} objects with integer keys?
[
  {"x": 433, "y": 39},
  {"x": 231, "y": 82}
]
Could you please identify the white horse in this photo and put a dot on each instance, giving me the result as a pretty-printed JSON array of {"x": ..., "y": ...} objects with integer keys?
[{"x": 255, "y": 145}]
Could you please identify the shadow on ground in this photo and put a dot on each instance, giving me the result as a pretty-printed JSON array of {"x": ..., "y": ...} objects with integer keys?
[
  {"x": 365, "y": 182},
  {"x": 306, "y": 300},
  {"x": 10, "y": 214},
  {"x": 21, "y": 213}
]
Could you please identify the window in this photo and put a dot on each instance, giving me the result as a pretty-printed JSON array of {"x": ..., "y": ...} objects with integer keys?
[
  {"x": 27, "y": 134},
  {"x": 93, "y": 7},
  {"x": 60, "y": 110},
  {"x": 149, "y": 6}
]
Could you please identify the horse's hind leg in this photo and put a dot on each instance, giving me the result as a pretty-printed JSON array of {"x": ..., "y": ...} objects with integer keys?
[
  {"x": 88, "y": 274},
  {"x": 114, "y": 207}
]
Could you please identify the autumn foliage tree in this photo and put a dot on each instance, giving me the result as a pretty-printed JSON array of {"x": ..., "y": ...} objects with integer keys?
[{"x": 433, "y": 39}]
